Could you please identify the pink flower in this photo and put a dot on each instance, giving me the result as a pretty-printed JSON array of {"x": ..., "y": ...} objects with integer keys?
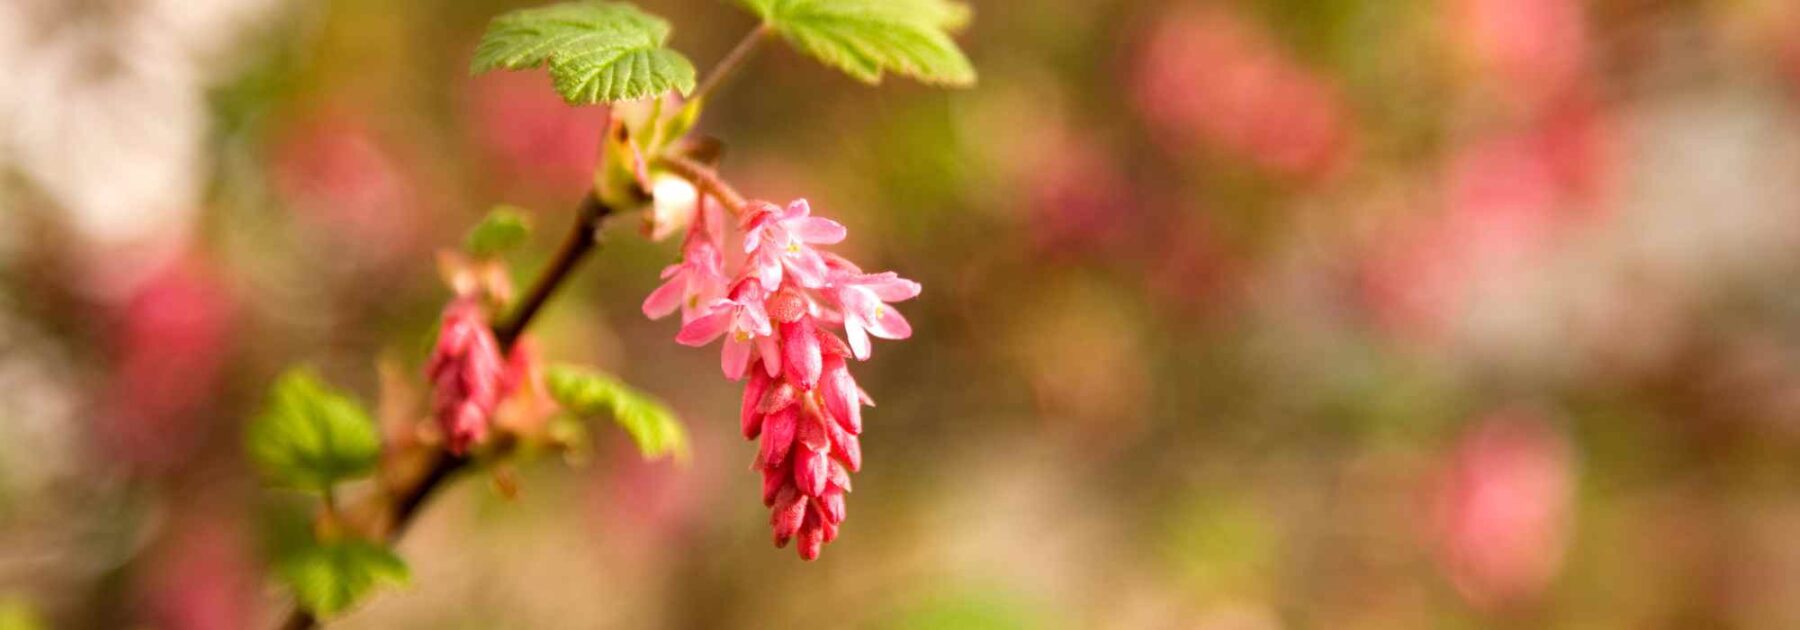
[
  {"x": 864, "y": 298},
  {"x": 467, "y": 374},
  {"x": 743, "y": 317},
  {"x": 203, "y": 575},
  {"x": 1534, "y": 49},
  {"x": 172, "y": 342},
  {"x": 780, "y": 240},
  {"x": 804, "y": 407},
  {"x": 338, "y": 174},
  {"x": 536, "y": 138},
  {"x": 1503, "y": 509},
  {"x": 1213, "y": 76},
  {"x": 692, "y": 285}
]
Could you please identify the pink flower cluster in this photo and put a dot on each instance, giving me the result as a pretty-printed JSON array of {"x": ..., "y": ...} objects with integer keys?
[
  {"x": 468, "y": 375},
  {"x": 1209, "y": 75},
  {"x": 1503, "y": 508},
  {"x": 777, "y": 303}
]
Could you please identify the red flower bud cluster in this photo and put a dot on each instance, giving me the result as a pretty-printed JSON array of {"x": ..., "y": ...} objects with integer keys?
[{"x": 468, "y": 375}]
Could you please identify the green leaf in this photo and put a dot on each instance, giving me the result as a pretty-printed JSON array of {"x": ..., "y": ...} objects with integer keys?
[
  {"x": 310, "y": 436},
  {"x": 867, "y": 38},
  {"x": 598, "y": 52},
  {"x": 330, "y": 577},
  {"x": 588, "y": 393},
  {"x": 505, "y": 228}
]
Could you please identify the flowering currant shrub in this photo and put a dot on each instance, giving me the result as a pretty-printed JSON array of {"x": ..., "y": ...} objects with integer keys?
[{"x": 791, "y": 316}]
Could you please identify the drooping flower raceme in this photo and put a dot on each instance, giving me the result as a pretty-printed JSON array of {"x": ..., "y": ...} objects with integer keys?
[{"x": 780, "y": 310}]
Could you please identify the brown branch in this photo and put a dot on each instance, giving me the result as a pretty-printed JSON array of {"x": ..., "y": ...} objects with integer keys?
[{"x": 581, "y": 240}]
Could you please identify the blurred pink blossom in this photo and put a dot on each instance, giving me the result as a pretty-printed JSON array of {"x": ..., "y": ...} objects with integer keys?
[
  {"x": 1079, "y": 197},
  {"x": 1191, "y": 268},
  {"x": 534, "y": 135},
  {"x": 204, "y": 579},
  {"x": 1508, "y": 197},
  {"x": 1209, "y": 75},
  {"x": 644, "y": 506},
  {"x": 171, "y": 342},
  {"x": 336, "y": 173},
  {"x": 1502, "y": 509},
  {"x": 1532, "y": 49}
]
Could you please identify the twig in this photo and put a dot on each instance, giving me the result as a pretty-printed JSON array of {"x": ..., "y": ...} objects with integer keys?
[
  {"x": 582, "y": 239},
  {"x": 732, "y": 60}
]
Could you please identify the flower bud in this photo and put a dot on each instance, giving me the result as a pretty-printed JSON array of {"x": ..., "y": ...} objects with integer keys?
[{"x": 467, "y": 375}]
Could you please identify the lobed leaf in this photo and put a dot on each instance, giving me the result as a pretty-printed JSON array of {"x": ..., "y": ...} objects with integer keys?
[
  {"x": 597, "y": 52},
  {"x": 310, "y": 436},
  {"x": 588, "y": 393},
  {"x": 868, "y": 38},
  {"x": 330, "y": 577}
]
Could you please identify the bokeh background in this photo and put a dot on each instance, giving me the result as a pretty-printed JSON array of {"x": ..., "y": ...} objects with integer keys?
[{"x": 1237, "y": 315}]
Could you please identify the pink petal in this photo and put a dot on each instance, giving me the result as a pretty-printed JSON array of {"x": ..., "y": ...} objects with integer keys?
[
  {"x": 831, "y": 505},
  {"x": 790, "y": 513},
  {"x": 766, "y": 267},
  {"x": 859, "y": 338},
  {"x": 811, "y": 432},
  {"x": 802, "y": 359},
  {"x": 830, "y": 344},
  {"x": 844, "y": 447},
  {"x": 890, "y": 287},
  {"x": 819, "y": 230},
  {"x": 752, "y": 239},
  {"x": 839, "y": 264},
  {"x": 778, "y": 436},
  {"x": 705, "y": 329},
  {"x": 840, "y": 478},
  {"x": 796, "y": 209},
  {"x": 774, "y": 479},
  {"x": 838, "y": 388},
  {"x": 770, "y": 349},
  {"x": 754, "y": 320},
  {"x": 665, "y": 299},
  {"x": 858, "y": 302},
  {"x": 806, "y": 265},
  {"x": 778, "y": 398},
  {"x": 811, "y": 468},
  {"x": 812, "y": 538},
  {"x": 734, "y": 358},
  {"x": 750, "y": 415},
  {"x": 888, "y": 324}
]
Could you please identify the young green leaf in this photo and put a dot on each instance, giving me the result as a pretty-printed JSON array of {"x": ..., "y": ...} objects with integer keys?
[
  {"x": 311, "y": 436},
  {"x": 867, "y": 38},
  {"x": 587, "y": 393},
  {"x": 598, "y": 52},
  {"x": 329, "y": 577},
  {"x": 504, "y": 229}
]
